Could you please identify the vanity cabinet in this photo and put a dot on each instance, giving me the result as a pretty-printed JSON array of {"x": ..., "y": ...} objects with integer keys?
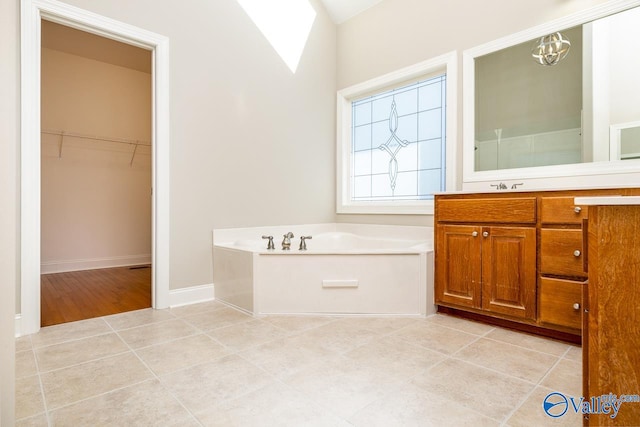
[
  {"x": 486, "y": 266},
  {"x": 489, "y": 268},
  {"x": 611, "y": 346},
  {"x": 515, "y": 258}
]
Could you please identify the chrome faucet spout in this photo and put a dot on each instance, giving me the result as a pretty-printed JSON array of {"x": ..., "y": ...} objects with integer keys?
[{"x": 286, "y": 242}]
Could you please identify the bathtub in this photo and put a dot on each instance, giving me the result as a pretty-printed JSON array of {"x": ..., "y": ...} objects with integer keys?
[{"x": 351, "y": 269}]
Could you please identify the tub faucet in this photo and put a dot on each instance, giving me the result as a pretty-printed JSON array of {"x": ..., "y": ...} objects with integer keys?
[
  {"x": 303, "y": 243},
  {"x": 286, "y": 242},
  {"x": 270, "y": 244}
]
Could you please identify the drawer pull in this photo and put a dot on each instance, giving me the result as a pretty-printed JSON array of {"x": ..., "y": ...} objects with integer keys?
[
  {"x": 577, "y": 209},
  {"x": 576, "y": 253},
  {"x": 474, "y": 234},
  {"x": 576, "y": 306},
  {"x": 485, "y": 234}
]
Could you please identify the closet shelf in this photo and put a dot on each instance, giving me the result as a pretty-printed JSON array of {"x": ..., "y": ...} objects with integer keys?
[
  {"x": 64, "y": 134},
  {"x": 99, "y": 138}
]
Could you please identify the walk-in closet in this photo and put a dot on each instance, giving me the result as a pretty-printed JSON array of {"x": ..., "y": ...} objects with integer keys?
[{"x": 96, "y": 162}]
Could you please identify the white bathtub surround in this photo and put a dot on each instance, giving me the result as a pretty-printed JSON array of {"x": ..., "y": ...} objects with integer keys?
[{"x": 355, "y": 269}]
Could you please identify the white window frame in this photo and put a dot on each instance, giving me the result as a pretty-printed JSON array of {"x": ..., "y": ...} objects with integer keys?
[{"x": 446, "y": 63}]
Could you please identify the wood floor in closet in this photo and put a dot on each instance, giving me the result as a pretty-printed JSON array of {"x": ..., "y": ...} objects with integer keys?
[{"x": 78, "y": 295}]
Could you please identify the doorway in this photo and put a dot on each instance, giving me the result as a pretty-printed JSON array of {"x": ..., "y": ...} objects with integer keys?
[
  {"x": 95, "y": 175},
  {"x": 34, "y": 12}
]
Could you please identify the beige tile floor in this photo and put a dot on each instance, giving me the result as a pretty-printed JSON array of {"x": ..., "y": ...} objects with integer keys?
[{"x": 210, "y": 365}]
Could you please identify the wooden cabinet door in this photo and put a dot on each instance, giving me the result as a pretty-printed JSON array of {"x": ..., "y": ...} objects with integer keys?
[
  {"x": 458, "y": 266},
  {"x": 509, "y": 271}
]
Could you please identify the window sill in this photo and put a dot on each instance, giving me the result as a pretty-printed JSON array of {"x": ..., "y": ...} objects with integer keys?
[{"x": 393, "y": 208}]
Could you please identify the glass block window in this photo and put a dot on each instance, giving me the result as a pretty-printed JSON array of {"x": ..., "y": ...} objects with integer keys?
[{"x": 398, "y": 143}]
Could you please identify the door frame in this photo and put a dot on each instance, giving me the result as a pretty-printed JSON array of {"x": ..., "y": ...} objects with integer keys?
[{"x": 32, "y": 13}]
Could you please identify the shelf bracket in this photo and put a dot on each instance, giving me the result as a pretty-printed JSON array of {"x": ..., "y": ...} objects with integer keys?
[
  {"x": 134, "y": 154},
  {"x": 60, "y": 145}
]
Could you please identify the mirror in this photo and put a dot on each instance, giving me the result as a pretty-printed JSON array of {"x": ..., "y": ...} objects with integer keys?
[
  {"x": 535, "y": 119},
  {"x": 528, "y": 114}
]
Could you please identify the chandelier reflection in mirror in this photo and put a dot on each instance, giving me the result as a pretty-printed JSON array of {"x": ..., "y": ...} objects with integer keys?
[{"x": 551, "y": 49}]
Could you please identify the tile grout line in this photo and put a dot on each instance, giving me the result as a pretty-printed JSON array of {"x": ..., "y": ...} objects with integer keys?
[
  {"x": 560, "y": 359},
  {"x": 44, "y": 397},
  {"x": 99, "y": 395},
  {"x": 85, "y": 362},
  {"x": 72, "y": 339},
  {"x": 39, "y": 373},
  {"x": 200, "y": 331},
  {"x": 510, "y": 414},
  {"x": 496, "y": 371},
  {"x": 539, "y": 384},
  {"x": 44, "y": 402},
  {"x": 488, "y": 331},
  {"x": 447, "y": 357},
  {"x": 534, "y": 350},
  {"x": 157, "y": 378}
]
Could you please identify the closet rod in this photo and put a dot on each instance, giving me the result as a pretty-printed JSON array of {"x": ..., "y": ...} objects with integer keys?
[{"x": 98, "y": 138}]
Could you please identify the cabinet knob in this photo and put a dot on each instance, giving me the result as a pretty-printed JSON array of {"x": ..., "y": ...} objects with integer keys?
[
  {"x": 576, "y": 253},
  {"x": 576, "y": 306},
  {"x": 474, "y": 234},
  {"x": 577, "y": 209},
  {"x": 485, "y": 234}
]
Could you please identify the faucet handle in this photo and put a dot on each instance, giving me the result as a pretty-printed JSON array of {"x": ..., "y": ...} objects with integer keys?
[
  {"x": 270, "y": 244},
  {"x": 303, "y": 243}
]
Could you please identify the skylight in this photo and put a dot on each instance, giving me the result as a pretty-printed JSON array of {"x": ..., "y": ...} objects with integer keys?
[{"x": 285, "y": 23}]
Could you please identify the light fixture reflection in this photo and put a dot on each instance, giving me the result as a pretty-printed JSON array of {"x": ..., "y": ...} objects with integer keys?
[{"x": 551, "y": 49}]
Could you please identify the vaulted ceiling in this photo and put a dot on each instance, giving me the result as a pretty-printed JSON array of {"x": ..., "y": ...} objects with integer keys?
[{"x": 342, "y": 10}]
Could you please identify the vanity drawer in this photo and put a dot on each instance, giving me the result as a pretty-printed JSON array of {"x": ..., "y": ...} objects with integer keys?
[
  {"x": 561, "y": 252},
  {"x": 561, "y": 210},
  {"x": 558, "y": 299},
  {"x": 503, "y": 210}
]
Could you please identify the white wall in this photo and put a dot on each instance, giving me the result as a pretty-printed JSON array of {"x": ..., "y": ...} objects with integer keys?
[
  {"x": 96, "y": 207},
  {"x": 9, "y": 134},
  {"x": 398, "y": 33}
]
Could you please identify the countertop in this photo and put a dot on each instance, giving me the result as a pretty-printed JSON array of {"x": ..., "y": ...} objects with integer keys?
[
  {"x": 533, "y": 190},
  {"x": 607, "y": 200}
]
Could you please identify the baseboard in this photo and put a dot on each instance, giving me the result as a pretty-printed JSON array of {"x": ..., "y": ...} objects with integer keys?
[
  {"x": 93, "y": 263},
  {"x": 191, "y": 295}
]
